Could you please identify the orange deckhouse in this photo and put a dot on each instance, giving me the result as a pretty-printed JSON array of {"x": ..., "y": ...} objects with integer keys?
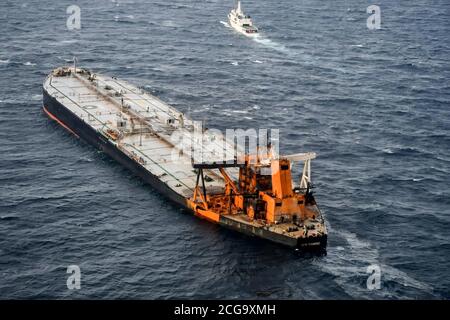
[{"x": 264, "y": 201}]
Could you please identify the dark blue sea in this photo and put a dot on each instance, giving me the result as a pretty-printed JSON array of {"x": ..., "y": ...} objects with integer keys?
[{"x": 373, "y": 104}]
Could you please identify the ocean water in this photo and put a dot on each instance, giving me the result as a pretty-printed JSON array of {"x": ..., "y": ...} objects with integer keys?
[{"x": 373, "y": 104}]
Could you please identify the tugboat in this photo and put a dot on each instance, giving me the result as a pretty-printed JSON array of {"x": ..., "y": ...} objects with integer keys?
[{"x": 242, "y": 22}]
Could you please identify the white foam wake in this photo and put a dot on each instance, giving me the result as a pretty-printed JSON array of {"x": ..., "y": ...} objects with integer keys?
[
  {"x": 225, "y": 24},
  {"x": 349, "y": 263},
  {"x": 270, "y": 44}
]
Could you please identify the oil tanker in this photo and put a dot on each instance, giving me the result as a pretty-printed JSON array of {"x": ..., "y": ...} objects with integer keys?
[{"x": 252, "y": 193}]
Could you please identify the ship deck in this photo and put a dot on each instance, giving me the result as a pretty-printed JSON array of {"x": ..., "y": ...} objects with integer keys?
[{"x": 153, "y": 141}]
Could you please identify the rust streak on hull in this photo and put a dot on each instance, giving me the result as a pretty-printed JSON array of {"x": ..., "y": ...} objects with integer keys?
[{"x": 53, "y": 117}]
